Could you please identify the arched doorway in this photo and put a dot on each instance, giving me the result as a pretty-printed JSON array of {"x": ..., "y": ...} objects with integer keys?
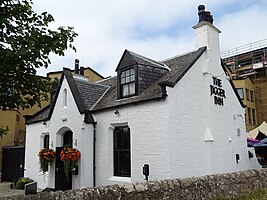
[{"x": 61, "y": 183}]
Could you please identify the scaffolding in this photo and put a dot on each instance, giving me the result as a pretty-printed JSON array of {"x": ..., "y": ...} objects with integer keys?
[{"x": 251, "y": 57}]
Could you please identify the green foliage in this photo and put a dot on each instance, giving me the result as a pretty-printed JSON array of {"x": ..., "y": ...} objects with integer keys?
[
  {"x": 22, "y": 181},
  {"x": 3, "y": 131},
  {"x": 25, "y": 44}
]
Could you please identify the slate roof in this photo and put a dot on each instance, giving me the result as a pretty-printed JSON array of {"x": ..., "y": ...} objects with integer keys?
[
  {"x": 85, "y": 94},
  {"x": 103, "y": 94},
  {"x": 179, "y": 66},
  {"x": 90, "y": 92},
  {"x": 41, "y": 115},
  {"x": 130, "y": 58}
]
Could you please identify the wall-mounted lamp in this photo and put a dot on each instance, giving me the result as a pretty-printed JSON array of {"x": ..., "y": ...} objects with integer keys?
[
  {"x": 116, "y": 111},
  {"x": 227, "y": 77},
  {"x": 250, "y": 154},
  {"x": 235, "y": 116},
  {"x": 75, "y": 142}
]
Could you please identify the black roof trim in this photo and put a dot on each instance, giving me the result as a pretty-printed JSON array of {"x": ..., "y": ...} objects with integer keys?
[
  {"x": 139, "y": 59},
  {"x": 67, "y": 73},
  {"x": 74, "y": 89}
]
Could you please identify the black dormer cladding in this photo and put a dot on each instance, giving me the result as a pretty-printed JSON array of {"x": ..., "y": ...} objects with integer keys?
[
  {"x": 147, "y": 75},
  {"x": 147, "y": 71}
]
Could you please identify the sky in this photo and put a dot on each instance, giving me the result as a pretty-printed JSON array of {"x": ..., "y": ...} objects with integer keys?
[{"x": 157, "y": 29}]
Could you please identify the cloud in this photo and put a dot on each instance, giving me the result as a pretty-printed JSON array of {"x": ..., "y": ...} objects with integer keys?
[{"x": 154, "y": 28}]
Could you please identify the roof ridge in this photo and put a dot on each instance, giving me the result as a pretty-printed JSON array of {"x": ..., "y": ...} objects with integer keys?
[{"x": 179, "y": 55}]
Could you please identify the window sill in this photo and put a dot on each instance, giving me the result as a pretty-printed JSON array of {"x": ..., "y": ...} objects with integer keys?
[{"x": 120, "y": 179}]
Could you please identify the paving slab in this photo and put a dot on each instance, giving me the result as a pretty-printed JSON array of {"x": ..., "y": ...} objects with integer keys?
[{"x": 6, "y": 191}]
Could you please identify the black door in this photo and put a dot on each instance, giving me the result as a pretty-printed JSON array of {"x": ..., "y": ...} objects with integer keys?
[
  {"x": 61, "y": 183},
  {"x": 13, "y": 163}
]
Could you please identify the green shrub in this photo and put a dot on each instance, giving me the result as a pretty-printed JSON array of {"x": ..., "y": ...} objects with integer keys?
[{"x": 22, "y": 181}]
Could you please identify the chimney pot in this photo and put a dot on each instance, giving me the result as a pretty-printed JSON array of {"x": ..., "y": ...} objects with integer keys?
[
  {"x": 82, "y": 71},
  {"x": 201, "y": 8},
  {"x": 204, "y": 15},
  {"x": 76, "y": 69}
]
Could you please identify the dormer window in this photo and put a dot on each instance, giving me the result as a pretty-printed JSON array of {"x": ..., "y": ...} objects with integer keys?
[{"x": 127, "y": 83}]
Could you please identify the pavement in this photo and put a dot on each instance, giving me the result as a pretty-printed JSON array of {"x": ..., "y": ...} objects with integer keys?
[{"x": 6, "y": 191}]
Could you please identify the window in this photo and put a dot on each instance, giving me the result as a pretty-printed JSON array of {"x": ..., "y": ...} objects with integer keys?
[
  {"x": 127, "y": 83},
  {"x": 247, "y": 94},
  {"x": 253, "y": 116},
  {"x": 65, "y": 97},
  {"x": 122, "y": 155},
  {"x": 46, "y": 142},
  {"x": 17, "y": 118},
  {"x": 249, "y": 115},
  {"x": 240, "y": 93},
  {"x": 67, "y": 139},
  {"x": 251, "y": 96}
]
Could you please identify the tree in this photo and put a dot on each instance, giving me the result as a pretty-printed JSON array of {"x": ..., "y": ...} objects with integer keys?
[{"x": 25, "y": 44}]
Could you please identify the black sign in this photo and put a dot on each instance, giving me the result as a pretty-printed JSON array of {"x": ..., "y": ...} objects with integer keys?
[{"x": 217, "y": 91}]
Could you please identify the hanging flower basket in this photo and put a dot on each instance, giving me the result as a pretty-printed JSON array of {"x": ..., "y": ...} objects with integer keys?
[
  {"x": 46, "y": 157},
  {"x": 69, "y": 156}
]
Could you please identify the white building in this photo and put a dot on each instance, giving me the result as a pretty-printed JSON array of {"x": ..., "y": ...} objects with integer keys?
[{"x": 181, "y": 116}]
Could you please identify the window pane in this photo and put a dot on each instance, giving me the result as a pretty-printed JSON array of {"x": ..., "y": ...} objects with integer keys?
[
  {"x": 253, "y": 116},
  {"x": 249, "y": 115},
  {"x": 132, "y": 88},
  {"x": 251, "y": 96},
  {"x": 122, "y": 156},
  {"x": 127, "y": 79},
  {"x": 125, "y": 90},
  {"x": 46, "y": 141},
  {"x": 127, "y": 72},
  {"x": 240, "y": 93},
  {"x": 132, "y": 77},
  {"x": 123, "y": 80},
  {"x": 123, "y": 74},
  {"x": 247, "y": 94}
]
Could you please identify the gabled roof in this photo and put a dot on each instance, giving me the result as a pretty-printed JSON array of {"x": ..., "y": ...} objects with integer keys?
[
  {"x": 41, "y": 115},
  {"x": 85, "y": 94},
  {"x": 179, "y": 66},
  {"x": 130, "y": 58}
]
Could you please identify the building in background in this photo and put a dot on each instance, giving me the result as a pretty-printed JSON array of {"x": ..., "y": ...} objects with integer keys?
[
  {"x": 15, "y": 121},
  {"x": 249, "y": 73}
]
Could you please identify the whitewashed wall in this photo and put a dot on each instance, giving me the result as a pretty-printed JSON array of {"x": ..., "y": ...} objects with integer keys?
[
  {"x": 62, "y": 120},
  {"x": 195, "y": 117},
  {"x": 34, "y": 142},
  {"x": 148, "y": 124}
]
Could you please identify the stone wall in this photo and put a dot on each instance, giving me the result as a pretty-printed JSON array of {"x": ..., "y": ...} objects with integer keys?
[{"x": 207, "y": 187}]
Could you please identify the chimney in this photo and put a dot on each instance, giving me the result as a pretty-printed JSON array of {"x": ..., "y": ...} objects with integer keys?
[
  {"x": 76, "y": 69},
  {"x": 206, "y": 34},
  {"x": 82, "y": 71}
]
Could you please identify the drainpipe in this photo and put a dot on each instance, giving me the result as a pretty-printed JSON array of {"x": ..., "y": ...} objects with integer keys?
[
  {"x": 94, "y": 152},
  {"x": 88, "y": 119}
]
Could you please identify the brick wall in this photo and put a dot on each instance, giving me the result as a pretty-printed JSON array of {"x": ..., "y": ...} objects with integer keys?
[{"x": 207, "y": 187}]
